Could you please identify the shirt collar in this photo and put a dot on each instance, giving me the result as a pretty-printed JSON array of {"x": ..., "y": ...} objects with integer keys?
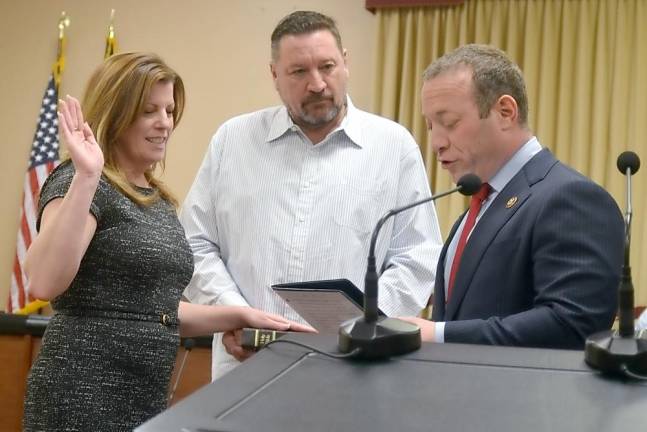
[
  {"x": 350, "y": 125},
  {"x": 514, "y": 165}
]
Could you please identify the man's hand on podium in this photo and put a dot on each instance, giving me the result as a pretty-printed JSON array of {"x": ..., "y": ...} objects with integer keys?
[{"x": 427, "y": 328}]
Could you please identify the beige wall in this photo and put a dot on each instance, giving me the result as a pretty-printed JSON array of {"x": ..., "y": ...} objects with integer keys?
[{"x": 220, "y": 47}]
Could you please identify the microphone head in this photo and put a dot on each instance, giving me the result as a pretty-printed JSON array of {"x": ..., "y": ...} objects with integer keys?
[
  {"x": 469, "y": 184},
  {"x": 629, "y": 160}
]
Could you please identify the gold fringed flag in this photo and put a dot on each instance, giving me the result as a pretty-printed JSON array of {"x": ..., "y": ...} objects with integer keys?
[
  {"x": 44, "y": 157},
  {"x": 111, "y": 41}
]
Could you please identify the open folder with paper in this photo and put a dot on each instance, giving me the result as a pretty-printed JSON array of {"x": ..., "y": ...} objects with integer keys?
[{"x": 324, "y": 304}]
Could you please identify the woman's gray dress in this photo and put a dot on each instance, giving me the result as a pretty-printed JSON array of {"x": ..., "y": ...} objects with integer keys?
[{"x": 109, "y": 350}]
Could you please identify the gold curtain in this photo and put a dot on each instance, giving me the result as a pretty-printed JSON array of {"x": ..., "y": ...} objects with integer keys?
[{"x": 585, "y": 64}]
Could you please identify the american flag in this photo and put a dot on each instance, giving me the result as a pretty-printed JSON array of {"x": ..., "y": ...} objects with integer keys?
[{"x": 42, "y": 160}]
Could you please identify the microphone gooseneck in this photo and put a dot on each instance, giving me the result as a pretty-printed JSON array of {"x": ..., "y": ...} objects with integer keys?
[
  {"x": 467, "y": 185},
  {"x": 628, "y": 164},
  {"x": 381, "y": 337}
]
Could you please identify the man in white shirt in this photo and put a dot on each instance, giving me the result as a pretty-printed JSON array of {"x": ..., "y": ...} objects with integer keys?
[
  {"x": 641, "y": 322},
  {"x": 292, "y": 193}
]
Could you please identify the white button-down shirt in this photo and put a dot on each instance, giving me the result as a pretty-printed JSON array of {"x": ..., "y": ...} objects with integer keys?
[{"x": 268, "y": 206}]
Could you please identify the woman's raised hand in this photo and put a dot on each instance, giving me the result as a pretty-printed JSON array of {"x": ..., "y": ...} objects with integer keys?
[{"x": 79, "y": 139}]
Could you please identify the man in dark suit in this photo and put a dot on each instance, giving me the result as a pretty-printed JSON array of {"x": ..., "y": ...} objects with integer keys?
[{"x": 536, "y": 260}]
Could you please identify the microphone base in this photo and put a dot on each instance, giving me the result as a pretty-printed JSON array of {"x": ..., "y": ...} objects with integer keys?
[
  {"x": 613, "y": 354},
  {"x": 383, "y": 338}
]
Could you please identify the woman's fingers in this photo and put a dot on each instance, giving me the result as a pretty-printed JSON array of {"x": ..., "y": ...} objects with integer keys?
[
  {"x": 64, "y": 110},
  {"x": 62, "y": 125},
  {"x": 275, "y": 325},
  {"x": 88, "y": 134},
  {"x": 291, "y": 325},
  {"x": 77, "y": 114},
  {"x": 259, "y": 319},
  {"x": 294, "y": 326}
]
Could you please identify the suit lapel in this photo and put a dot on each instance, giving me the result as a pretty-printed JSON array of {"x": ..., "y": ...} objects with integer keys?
[{"x": 492, "y": 221}]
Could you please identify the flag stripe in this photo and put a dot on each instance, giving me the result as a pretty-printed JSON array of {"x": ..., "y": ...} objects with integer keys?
[
  {"x": 19, "y": 276},
  {"x": 29, "y": 207},
  {"x": 11, "y": 303},
  {"x": 25, "y": 232},
  {"x": 21, "y": 288}
]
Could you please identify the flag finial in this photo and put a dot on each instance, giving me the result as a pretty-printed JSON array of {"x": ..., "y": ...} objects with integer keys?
[
  {"x": 59, "y": 65},
  {"x": 111, "y": 41}
]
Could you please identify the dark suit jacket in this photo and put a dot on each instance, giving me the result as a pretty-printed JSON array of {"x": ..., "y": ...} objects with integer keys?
[{"x": 542, "y": 273}]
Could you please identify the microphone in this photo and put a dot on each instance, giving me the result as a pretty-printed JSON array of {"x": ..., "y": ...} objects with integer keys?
[
  {"x": 624, "y": 352},
  {"x": 628, "y": 163},
  {"x": 379, "y": 337}
]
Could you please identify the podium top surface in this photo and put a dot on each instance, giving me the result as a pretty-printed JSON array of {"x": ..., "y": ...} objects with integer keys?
[{"x": 444, "y": 387}]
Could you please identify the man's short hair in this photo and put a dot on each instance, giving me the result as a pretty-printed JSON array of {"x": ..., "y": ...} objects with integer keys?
[
  {"x": 303, "y": 22},
  {"x": 493, "y": 75}
]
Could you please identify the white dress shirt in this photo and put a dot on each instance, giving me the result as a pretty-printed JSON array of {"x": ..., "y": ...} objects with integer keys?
[
  {"x": 641, "y": 322},
  {"x": 267, "y": 207}
]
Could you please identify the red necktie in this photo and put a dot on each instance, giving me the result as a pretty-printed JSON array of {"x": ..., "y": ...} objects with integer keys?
[{"x": 475, "y": 207}]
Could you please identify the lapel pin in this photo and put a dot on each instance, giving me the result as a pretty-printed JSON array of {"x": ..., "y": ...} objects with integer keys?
[{"x": 512, "y": 201}]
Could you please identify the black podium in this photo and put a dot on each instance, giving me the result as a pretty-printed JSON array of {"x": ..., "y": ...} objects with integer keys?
[{"x": 441, "y": 387}]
